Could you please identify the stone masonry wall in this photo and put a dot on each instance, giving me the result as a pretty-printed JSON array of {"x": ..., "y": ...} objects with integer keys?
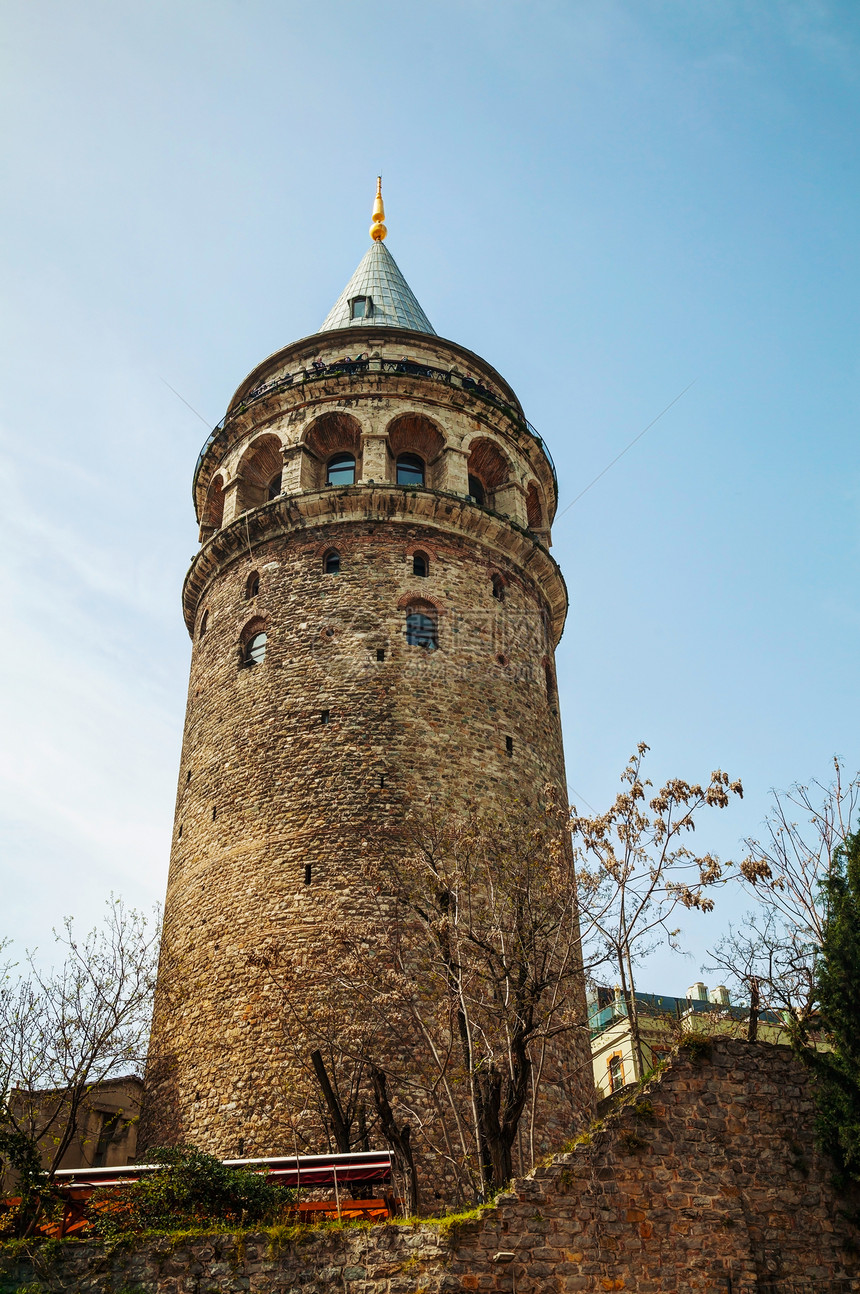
[
  {"x": 267, "y": 789},
  {"x": 708, "y": 1180}
]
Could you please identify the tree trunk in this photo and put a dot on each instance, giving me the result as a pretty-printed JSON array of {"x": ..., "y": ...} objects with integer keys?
[
  {"x": 338, "y": 1122},
  {"x": 629, "y": 993},
  {"x": 399, "y": 1139},
  {"x": 752, "y": 1023},
  {"x": 501, "y": 1104}
]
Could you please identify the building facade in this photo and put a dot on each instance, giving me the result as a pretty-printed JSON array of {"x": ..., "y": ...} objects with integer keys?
[
  {"x": 664, "y": 1023},
  {"x": 374, "y": 612},
  {"x": 106, "y": 1128}
]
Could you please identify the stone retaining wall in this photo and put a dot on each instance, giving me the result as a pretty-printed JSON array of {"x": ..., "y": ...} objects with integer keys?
[{"x": 707, "y": 1181}]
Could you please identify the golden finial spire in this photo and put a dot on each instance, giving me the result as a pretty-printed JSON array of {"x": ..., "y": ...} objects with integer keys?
[{"x": 377, "y": 228}]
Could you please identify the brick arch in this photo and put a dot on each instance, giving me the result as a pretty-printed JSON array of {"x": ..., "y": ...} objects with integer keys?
[
  {"x": 333, "y": 433},
  {"x": 213, "y": 510},
  {"x": 256, "y": 625},
  {"x": 260, "y": 463},
  {"x": 414, "y": 433},
  {"x": 421, "y": 546},
  {"x": 535, "y": 511},
  {"x": 343, "y": 543},
  {"x": 489, "y": 464},
  {"x": 418, "y": 602}
]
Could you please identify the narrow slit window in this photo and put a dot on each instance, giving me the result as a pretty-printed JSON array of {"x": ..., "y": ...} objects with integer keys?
[
  {"x": 381, "y": 779},
  {"x": 380, "y": 653},
  {"x": 204, "y": 621},
  {"x": 307, "y": 873},
  {"x": 214, "y": 812},
  {"x": 179, "y": 834},
  {"x": 325, "y": 716},
  {"x": 498, "y": 588},
  {"x": 509, "y": 747}
]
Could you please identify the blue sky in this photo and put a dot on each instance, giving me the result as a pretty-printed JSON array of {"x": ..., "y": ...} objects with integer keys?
[{"x": 608, "y": 200}]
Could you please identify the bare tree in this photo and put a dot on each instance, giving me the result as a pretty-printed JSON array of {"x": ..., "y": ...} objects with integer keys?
[
  {"x": 634, "y": 871},
  {"x": 64, "y": 1031},
  {"x": 770, "y": 958},
  {"x": 446, "y": 997}
]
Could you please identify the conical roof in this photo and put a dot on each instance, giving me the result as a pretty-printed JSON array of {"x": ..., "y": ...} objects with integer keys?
[{"x": 392, "y": 302}]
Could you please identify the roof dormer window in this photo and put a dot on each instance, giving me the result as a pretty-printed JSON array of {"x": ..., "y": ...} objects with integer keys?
[{"x": 360, "y": 307}]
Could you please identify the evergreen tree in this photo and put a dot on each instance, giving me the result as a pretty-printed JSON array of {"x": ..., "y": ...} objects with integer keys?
[{"x": 838, "y": 974}]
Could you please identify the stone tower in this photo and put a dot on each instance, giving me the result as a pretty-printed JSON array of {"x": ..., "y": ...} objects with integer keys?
[{"x": 373, "y": 608}]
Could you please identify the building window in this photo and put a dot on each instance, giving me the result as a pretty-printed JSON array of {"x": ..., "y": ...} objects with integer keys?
[
  {"x": 550, "y": 682},
  {"x": 421, "y": 630},
  {"x": 410, "y": 470},
  {"x": 273, "y": 489},
  {"x": 380, "y": 653},
  {"x": 341, "y": 470},
  {"x": 307, "y": 873},
  {"x": 361, "y": 307},
  {"x": 420, "y": 565},
  {"x": 615, "y": 1066},
  {"x": 498, "y": 588},
  {"x": 325, "y": 716},
  {"x": 255, "y": 649},
  {"x": 476, "y": 490},
  {"x": 331, "y": 562},
  {"x": 204, "y": 620},
  {"x": 252, "y": 586},
  {"x": 509, "y": 747}
]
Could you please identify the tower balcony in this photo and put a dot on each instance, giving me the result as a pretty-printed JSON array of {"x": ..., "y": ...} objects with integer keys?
[{"x": 345, "y": 372}]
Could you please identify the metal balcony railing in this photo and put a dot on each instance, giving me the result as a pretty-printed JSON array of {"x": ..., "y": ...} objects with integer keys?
[{"x": 349, "y": 368}]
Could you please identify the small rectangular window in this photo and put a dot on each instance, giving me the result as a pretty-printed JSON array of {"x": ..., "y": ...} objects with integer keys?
[
  {"x": 381, "y": 783},
  {"x": 307, "y": 873},
  {"x": 325, "y": 716},
  {"x": 380, "y": 653},
  {"x": 509, "y": 747},
  {"x": 360, "y": 307}
]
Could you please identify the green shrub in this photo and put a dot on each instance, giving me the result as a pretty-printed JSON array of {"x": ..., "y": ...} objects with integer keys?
[{"x": 189, "y": 1191}]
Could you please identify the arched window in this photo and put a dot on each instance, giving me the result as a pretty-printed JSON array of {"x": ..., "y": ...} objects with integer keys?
[
  {"x": 498, "y": 588},
  {"x": 204, "y": 620},
  {"x": 421, "y": 630},
  {"x": 255, "y": 649},
  {"x": 252, "y": 586},
  {"x": 420, "y": 565},
  {"x": 410, "y": 470},
  {"x": 331, "y": 562},
  {"x": 274, "y": 486},
  {"x": 341, "y": 470},
  {"x": 476, "y": 490}
]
